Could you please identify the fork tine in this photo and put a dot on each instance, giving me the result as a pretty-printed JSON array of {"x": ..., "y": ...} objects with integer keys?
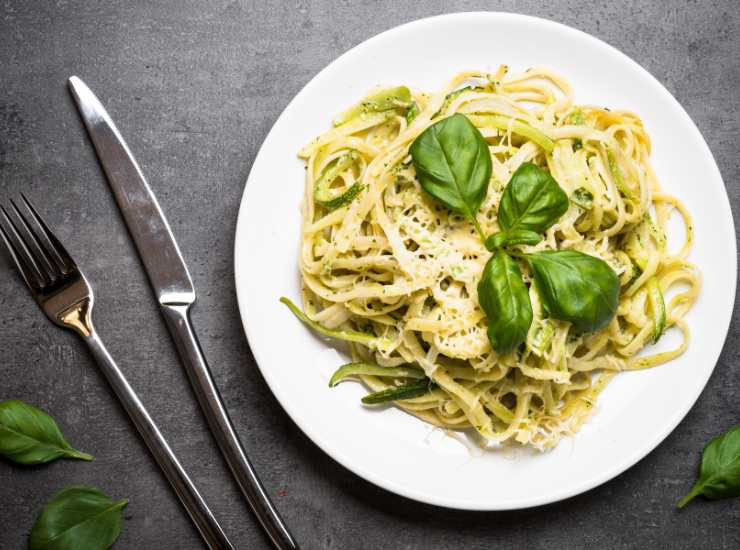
[
  {"x": 37, "y": 247},
  {"x": 55, "y": 247},
  {"x": 21, "y": 256},
  {"x": 30, "y": 246}
]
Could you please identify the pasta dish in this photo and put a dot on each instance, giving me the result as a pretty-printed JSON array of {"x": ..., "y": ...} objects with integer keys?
[{"x": 492, "y": 253}]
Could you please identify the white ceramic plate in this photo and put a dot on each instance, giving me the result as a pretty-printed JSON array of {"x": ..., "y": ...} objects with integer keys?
[{"x": 397, "y": 451}]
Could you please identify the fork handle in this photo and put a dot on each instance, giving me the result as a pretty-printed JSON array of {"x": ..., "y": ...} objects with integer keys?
[
  {"x": 177, "y": 317},
  {"x": 196, "y": 507}
]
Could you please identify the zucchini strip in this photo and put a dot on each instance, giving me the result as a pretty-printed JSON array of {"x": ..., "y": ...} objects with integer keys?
[
  {"x": 406, "y": 391},
  {"x": 370, "y": 340},
  {"x": 539, "y": 339},
  {"x": 516, "y": 126},
  {"x": 449, "y": 99},
  {"x": 360, "y": 368},
  {"x": 582, "y": 198},
  {"x": 618, "y": 177},
  {"x": 354, "y": 126},
  {"x": 576, "y": 117},
  {"x": 382, "y": 100},
  {"x": 657, "y": 306},
  {"x": 413, "y": 112},
  {"x": 334, "y": 198}
]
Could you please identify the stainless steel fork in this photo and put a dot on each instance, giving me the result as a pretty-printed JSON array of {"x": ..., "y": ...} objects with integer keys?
[{"x": 63, "y": 293}]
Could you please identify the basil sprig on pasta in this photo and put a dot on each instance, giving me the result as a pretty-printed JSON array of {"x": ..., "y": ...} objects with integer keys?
[
  {"x": 505, "y": 298},
  {"x": 575, "y": 287},
  {"x": 453, "y": 164},
  {"x": 532, "y": 202}
]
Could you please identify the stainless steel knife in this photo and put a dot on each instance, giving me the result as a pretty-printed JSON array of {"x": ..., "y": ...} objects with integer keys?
[{"x": 175, "y": 293}]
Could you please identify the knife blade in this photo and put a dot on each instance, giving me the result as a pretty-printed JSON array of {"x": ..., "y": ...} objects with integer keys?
[
  {"x": 146, "y": 222},
  {"x": 175, "y": 293}
]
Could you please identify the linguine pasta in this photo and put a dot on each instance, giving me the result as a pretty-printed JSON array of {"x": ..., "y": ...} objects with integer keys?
[{"x": 395, "y": 271}]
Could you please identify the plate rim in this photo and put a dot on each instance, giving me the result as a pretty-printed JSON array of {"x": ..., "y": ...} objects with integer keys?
[{"x": 572, "y": 490}]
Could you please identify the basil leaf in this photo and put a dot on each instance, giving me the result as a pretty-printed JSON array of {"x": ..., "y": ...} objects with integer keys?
[
  {"x": 30, "y": 436},
  {"x": 576, "y": 287},
  {"x": 453, "y": 164},
  {"x": 518, "y": 236},
  {"x": 505, "y": 299},
  {"x": 522, "y": 236},
  {"x": 719, "y": 473},
  {"x": 77, "y": 518},
  {"x": 532, "y": 200}
]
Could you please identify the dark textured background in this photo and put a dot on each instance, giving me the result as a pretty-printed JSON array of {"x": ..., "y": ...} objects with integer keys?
[{"x": 195, "y": 86}]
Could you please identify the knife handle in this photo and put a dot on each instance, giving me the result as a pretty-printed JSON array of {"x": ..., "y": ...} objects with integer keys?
[
  {"x": 177, "y": 317},
  {"x": 197, "y": 508}
]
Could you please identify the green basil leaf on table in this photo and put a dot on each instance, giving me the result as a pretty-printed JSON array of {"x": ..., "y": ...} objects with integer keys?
[
  {"x": 532, "y": 201},
  {"x": 28, "y": 435},
  {"x": 505, "y": 299},
  {"x": 719, "y": 472},
  {"x": 78, "y": 518},
  {"x": 453, "y": 164},
  {"x": 575, "y": 287}
]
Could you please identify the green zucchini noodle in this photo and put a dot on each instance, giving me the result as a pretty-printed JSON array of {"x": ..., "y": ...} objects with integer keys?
[{"x": 393, "y": 263}]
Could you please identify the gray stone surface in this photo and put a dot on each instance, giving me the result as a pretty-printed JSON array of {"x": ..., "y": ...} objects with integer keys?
[{"x": 195, "y": 86}]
